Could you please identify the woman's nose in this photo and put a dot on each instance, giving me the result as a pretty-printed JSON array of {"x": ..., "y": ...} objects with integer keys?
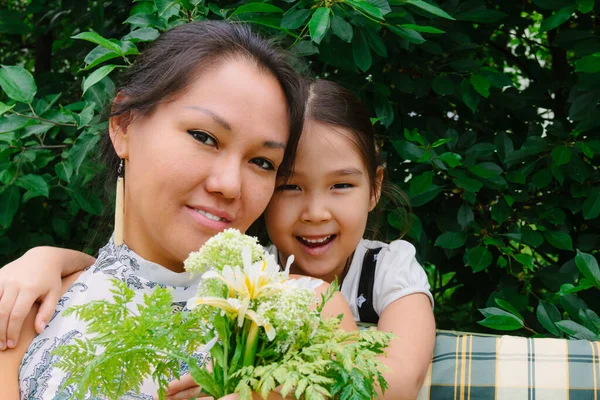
[{"x": 225, "y": 177}]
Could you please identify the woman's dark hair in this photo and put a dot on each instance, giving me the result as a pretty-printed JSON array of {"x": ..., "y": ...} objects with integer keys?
[
  {"x": 331, "y": 104},
  {"x": 168, "y": 66}
]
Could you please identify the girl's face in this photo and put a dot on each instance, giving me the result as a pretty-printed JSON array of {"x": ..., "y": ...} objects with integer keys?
[
  {"x": 203, "y": 162},
  {"x": 320, "y": 215}
]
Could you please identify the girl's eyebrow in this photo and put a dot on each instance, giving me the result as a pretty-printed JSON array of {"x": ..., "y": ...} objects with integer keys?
[
  {"x": 218, "y": 119},
  {"x": 346, "y": 172}
]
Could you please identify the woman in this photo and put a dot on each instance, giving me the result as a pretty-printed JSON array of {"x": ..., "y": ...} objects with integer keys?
[{"x": 208, "y": 117}]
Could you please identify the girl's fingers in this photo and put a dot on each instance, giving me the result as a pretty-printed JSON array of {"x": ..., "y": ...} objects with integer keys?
[
  {"x": 46, "y": 310},
  {"x": 190, "y": 393},
  {"x": 20, "y": 309},
  {"x": 9, "y": 295},
  {"x": 184, "y": 383}
]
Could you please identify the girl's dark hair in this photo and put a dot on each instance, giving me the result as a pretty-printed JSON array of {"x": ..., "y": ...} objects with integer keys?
[
  {"x": 171, "y": 62},
  {"x": 331, "y": 104}
]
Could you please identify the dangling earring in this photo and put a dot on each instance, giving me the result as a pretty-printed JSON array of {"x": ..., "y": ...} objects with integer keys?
[{"x": 119, "y": 202}]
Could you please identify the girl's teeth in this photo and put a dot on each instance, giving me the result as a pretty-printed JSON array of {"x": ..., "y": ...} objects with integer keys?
[
  {"x": 210, "y": 216},
  {"x": 316, "y": 240}
]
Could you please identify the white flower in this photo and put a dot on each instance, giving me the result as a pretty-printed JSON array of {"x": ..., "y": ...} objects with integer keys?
[{"x": 234, "y": 306}]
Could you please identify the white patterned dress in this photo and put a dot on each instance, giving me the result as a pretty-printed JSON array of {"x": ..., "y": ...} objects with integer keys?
[{"x": 38, "y": 378}]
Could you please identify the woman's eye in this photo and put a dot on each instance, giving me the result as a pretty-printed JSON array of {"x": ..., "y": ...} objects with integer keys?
[
  {"x": 263, "y": 163},
  {"x": 288, "y": 187},
  {"x": 342, "y": 186},
  {"x": 203, "y": 138}
]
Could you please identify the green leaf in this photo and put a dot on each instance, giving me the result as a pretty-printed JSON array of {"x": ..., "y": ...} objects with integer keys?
[
  {"x": 471, "y": 185},
  {"x": 99, "y": 40},
  {"x": 375, "y": 42},
  {"x": 97, "y": 56},
  {"x": 163, "y": 5},
  {"x": 560, "y": 240},
  {"x": 97, "y": 76},
  {"x": 482, "y": 16},
  {"x": 500, "y": 320},
  {"x": 591, "y": 205},
  {"x": 430, "y": 8},
  {"x": 85, "y": 143},
  {"x": 561, "y": 155},
  {"x": 443, "y": 85},
  {"x": 524, "y": 259},
  {"x": 319, "y": 24},
  {"x": 87, "y": 200},
  {"x": 18, "y": 83},
  {"x": 465, "y": 215},
  {"x": 574, "y": 330},
  {"x": 365, "y": 7},
  {"x": 587, "y": 264},
  {"x": 469, "y": 95},
  {"x": 5, "y": 107},
  {"x": 12, "y": 123},
  {"x": 451, "y": 240},
  {"x": 256, "y": 8},
  {"x": 559, "y": 18},
  {"x": 478, "y": 258},
  {"x": 585, "y": 6},
  {"x": 361, "y": 51},
  {"x": 451, "y": 159},
  {"x": 440, "y": 142},
  {"x": 34, "y": 184},
  {"x": 64, "y": 171},
  {"x": 481, "y": 85},
  {"x": 297, "y": 18},
  {"x": 414, "y": 136},
  {"x": 341, "y": 28},
  {"x": 542, "y": 178},
  {"x": 426, "y": 196},
  {"x": 422, "y": 28},
  {"x": 420, "y": 183},
  {"x": 142, "y": 35},
  {"x": 500, "y": 211},
  {"x": 588, "y": 64},
  {"x": 505, "y": 305},
  {"x": 409, "y": 34},
  {"x": 548, "y": 315},
  {"x": 383, "y": 109},
  {"x": 10, "y": 198}
]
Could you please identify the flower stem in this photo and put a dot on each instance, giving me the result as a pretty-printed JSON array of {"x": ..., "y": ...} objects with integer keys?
[{"x": 251, "y": 345}]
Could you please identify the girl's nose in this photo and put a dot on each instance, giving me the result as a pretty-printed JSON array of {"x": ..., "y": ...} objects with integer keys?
[
  {"x": 225, "y": 178},
  {"x": 316, "y": 211}
]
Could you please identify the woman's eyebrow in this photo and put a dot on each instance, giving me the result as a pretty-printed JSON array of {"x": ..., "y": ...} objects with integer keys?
[
  {"x": 346, "y": 172},
  {"x": 218, "y": 119},
  {"x": 274, "y": 145}
]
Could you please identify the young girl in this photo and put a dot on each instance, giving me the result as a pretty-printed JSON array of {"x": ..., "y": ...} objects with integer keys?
[
  {"x": 200, "y": 127},
  {"x": 320, "y": 213}
]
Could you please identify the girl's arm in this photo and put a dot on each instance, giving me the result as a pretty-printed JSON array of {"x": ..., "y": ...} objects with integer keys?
[
  {"x": 411, "y": 319},
  {"x": 36, "y": 276}
]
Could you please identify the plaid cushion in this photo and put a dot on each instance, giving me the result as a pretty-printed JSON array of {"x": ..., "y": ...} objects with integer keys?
[{"x": 472, "y": 366}]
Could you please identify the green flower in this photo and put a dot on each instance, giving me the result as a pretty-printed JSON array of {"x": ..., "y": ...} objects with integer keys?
[{"x": 223, "y": 249}]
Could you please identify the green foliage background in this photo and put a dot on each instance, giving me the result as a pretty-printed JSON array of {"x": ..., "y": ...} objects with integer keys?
[{"x": 487, "y": 113}]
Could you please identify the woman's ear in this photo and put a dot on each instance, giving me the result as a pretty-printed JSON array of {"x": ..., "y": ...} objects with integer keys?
[
  {"x": 378, "y": 184},
  {"x": 118, "y": 126}
]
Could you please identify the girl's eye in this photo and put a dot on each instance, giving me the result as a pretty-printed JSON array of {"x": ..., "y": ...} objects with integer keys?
[
  {"x": 288, "y": 187},
  {"x": 263, "y": 164},
  {"x": 342, "y": 186},
  {"x": 203, "y": 138}
]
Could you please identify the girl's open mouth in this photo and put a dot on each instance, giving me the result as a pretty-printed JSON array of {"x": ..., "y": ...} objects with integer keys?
[{"x": 316, "y": 243}]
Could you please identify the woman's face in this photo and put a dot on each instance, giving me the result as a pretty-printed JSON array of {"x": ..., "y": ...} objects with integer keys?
[{"x": 203, "y": 162}]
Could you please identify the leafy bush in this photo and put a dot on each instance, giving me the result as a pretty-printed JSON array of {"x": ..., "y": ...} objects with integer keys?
[{"x": 487, "y": 113}]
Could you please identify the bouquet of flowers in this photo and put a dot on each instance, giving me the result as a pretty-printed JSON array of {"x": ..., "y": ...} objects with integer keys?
[{"x": 262, "y": 330}]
